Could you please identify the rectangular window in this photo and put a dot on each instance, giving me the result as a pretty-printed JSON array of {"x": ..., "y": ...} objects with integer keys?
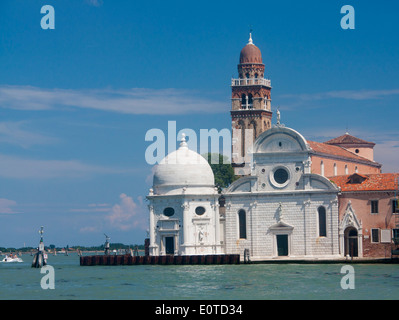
[
  {"x": 374, "y": 206},
  {"x": 375, "y": 235},
  {"x": 322, "y": 222},
  {"x": 395, "y": 235},
  {"x": 242, "y": 224},
  {"x": 395, "y": 205}
]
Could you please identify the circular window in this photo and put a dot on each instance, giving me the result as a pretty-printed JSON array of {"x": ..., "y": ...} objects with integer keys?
[
  {"x": 280, "y": 176},
  {"x": 200, "y": 211},
  {"x": 357, "y": 150},
  {"x": 169, "y": 212}
]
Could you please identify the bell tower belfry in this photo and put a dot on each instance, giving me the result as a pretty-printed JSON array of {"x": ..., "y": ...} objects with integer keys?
[{"x": 251, "y": 106}]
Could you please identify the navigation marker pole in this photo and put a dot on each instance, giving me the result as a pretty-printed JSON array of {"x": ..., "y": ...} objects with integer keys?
[{"x": 40, "y": 258}]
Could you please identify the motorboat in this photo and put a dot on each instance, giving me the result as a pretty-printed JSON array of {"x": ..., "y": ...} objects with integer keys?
[{"x": 11, "y": 259}]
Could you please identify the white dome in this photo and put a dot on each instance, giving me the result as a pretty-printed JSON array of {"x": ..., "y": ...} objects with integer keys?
[{"x": 183, "y": 168}]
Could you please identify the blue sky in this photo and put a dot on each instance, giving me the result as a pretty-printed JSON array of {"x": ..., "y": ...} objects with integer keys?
[{"x": 77, "y": 101}]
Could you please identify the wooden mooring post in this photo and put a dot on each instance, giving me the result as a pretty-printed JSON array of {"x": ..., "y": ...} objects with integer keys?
[{"x": 115, "y": 260}]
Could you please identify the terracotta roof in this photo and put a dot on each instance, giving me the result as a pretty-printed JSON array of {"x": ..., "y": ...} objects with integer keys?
[
  {"x": 338, "y": 151},
  {"x": 250, "y": 54},
  {"x": 370, "y": 182},
  {"x": 347, "y": 139}
]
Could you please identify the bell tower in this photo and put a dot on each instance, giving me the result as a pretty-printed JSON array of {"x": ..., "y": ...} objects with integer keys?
[{"x": 251, "y": 106}]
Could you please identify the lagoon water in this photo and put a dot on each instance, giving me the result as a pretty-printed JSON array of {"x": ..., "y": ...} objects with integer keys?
[{"x": 196, "y": 282}]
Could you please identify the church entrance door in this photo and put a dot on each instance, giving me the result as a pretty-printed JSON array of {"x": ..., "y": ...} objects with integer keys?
[
  {"x": 169, "y": 245},
  {"x": 282, "y": 244}
]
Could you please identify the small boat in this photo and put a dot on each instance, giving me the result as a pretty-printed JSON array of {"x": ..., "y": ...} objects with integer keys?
[{"x": 11, "y": 259}]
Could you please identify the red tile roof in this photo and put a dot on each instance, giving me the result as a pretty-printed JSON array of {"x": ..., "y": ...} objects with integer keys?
[
  {"x": 324, "y": 148},
  {"x": 371, "y": 182},
  {"x": 348, "y": 139}
]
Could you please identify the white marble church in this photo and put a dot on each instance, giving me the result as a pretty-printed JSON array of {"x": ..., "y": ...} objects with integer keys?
[{"x": 279, "y": 209}]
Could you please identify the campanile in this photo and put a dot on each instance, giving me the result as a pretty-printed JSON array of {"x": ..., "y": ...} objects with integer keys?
[{"x": 251, "y": 106}]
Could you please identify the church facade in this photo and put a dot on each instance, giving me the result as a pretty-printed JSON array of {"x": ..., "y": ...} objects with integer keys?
[{"x": 282, "y": 210}]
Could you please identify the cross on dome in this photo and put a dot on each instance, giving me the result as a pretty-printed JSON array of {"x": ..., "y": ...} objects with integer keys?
[
  {"x": 250, "y": 38},
  {"x": 183, "y": 143}
]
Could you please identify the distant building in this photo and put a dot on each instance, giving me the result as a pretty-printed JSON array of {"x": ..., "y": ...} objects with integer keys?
[{"x": 342, "y": 156}]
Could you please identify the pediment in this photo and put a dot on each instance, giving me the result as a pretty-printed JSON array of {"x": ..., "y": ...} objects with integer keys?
[
  {"x": 244, "y": 184},
  {"x": 350, "y": 219},
  {"x": 281, "y": 226}
]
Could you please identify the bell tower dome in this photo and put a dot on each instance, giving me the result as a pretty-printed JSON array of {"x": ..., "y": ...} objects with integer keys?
[{"x": 251, "y": 106}]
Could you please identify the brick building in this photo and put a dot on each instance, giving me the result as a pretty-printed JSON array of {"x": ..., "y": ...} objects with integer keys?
[
  {"x": 342, "y": 156},
  {"x": 367, "y": 207}
]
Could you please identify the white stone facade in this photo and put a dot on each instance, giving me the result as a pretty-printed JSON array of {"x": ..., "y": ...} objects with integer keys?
[
  {"x": 281, "y": 200},
  {"x": 184, "y": 210},
  {"x": 280, "y": 211}
]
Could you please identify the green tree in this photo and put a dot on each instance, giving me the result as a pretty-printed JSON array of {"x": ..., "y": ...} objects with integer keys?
[{"x": 222, "y": 170}]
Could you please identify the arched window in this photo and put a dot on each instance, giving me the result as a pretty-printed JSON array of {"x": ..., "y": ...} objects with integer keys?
[
  {"x": 242, "y": 222},
  {"x": 335, "y": 169},
  {"x": 322, "y": 222},
  {"x": 250, "y": 101},
  {"x": 322, "y": 168},
  {"x": 346, "y": 169},
  {"x": 243, "y": 101}
]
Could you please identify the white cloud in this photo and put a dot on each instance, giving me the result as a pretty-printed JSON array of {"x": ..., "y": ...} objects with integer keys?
[
  {"x": 344, "y": 94},
  {"x": 95, "y": 3},
  {"x": 15, "y": 133},
  {"x": 127, "y": 101},
  {"x": 127, "y": 214},
  {"x": 95, "y": 229},
  {"x": 19, "y": 168},
  {"x": 93, "y": 207},
  {"x": 6, "y": 206}
]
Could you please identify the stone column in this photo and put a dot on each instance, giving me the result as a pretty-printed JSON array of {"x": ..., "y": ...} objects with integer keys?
[
  {"x": 186, "y": 224},
  {"x": 153, "y": 246},
  {"x": 306, "y": 204},
  {"x": 215, "y": 207}
]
